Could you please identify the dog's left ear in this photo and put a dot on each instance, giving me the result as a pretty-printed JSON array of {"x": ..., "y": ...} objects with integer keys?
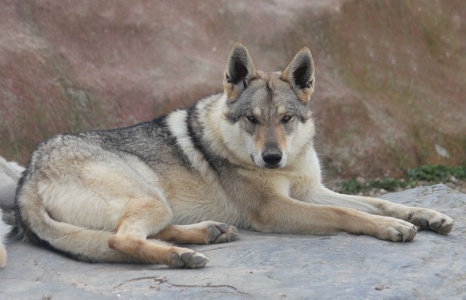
[
  {"x": 300, "y": 74},
  {"x": 240, "y": 70}
]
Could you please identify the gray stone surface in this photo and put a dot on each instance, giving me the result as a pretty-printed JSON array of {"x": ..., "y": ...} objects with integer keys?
[{"x": 269, "y": 266}]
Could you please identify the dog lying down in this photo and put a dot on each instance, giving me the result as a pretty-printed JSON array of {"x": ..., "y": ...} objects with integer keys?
[{"x": 244, "y": 157}]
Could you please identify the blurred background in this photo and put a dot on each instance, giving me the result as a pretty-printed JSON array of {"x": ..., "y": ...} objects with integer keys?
[{"x": 390, "y": 75}]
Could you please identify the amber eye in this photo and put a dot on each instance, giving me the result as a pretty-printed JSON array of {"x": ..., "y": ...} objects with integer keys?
[
  {"x": 252, "y": 119},
  {"x": 286, "y": 119}
]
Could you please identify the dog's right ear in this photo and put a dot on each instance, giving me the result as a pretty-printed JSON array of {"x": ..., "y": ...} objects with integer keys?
[{"x": 240, "y": 70}]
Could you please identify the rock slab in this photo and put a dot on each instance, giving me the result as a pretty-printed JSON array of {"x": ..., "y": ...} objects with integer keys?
[{"x": 268, "y": 266}]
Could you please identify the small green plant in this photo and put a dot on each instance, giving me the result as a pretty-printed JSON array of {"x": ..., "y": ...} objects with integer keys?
[
  {"x": 351, "y": 186},
  {"x": 437, "y": 173},
  {"x": 354, "y": 186},
  {"x": 388, "y": 184},
  {"x": 430, "y": 174}
]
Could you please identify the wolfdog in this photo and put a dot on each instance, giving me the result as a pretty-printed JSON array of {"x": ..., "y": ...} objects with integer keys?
[{"x": 240, "y": 159}]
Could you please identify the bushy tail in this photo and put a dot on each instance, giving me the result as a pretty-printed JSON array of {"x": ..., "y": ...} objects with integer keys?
[
  {"x": 10, "y": 173},
  {"x": 4, "y": 229}
]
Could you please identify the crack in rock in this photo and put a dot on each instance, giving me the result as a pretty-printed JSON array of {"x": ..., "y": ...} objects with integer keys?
[{"x": 162, "y": 279}]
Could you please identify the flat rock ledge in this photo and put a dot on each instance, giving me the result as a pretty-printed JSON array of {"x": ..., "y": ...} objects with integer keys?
[{"x": 268, "y": 266}]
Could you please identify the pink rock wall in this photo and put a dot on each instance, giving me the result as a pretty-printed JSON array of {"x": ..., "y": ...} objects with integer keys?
[{"x": 391, "y": 76}]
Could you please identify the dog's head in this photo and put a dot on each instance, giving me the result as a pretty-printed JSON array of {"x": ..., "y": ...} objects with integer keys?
[{"x": 270, "y": 110}]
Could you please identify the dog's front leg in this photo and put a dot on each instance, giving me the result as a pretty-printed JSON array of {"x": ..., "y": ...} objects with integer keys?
[
  {"x": 286, "y": 215},
  {"x": 422, "y": 217}
]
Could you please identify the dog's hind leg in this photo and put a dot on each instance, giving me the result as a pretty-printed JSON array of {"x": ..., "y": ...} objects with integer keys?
[
  {"x": 207, "y": 232},
  {"x": 144, "y": 217}
]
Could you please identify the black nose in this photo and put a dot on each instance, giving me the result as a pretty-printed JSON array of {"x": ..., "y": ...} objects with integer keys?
[{"x": 272, "y": 157}]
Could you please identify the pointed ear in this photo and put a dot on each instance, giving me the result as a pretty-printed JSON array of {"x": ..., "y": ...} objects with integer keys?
[
  {"x": 300, "y": 74},
  {"x": 240, "y": 70}
]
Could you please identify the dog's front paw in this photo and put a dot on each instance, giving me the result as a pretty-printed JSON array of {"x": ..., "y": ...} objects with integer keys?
[
  {"x": 431, "y": 219},
  {"x": 396, "y": 230}
]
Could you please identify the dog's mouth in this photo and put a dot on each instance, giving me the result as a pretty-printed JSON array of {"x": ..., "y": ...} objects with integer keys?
[{"x": 276, "y": 166}]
